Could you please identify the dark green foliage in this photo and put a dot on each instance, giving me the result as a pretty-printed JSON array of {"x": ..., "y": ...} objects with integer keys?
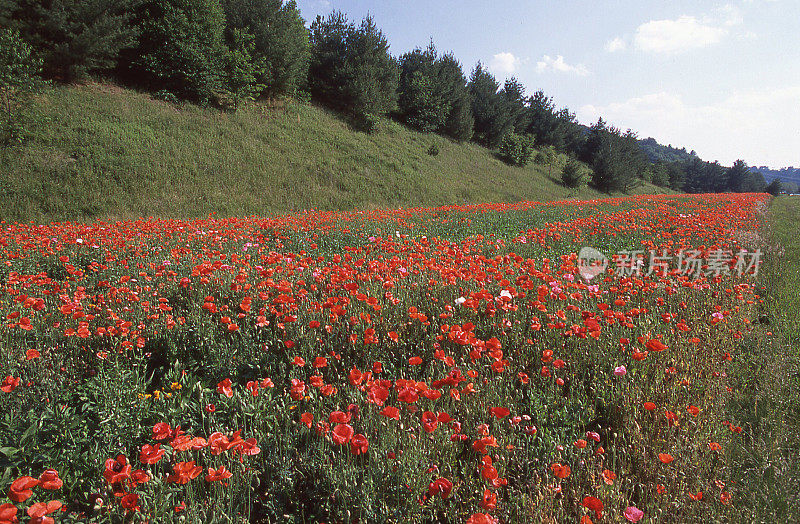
[
  {"x": 513, "y": 93},
  {"x": 516, "y": 150},
  {"x": 660, "y": 153},
  {"x": 659, "y": 174},
  {"x": 493, "y": 116},
  {"x": 774, "y": 188},
  {"x": 351, "y": 69},
  {"x": 616, "y": 158},
  {"x": 76, "y": 37},
  {"x": 711, "y": 177},
  {"x": 676, "y": 175},
  {"x": 572, "y": 174},
  {"x": 557, "y": 128},
  {"x": 432, "y": 94},
  {"x": 421, "y": 102},
  {"x": 182, "y": 48},
  {"x": 280, "y": 49},
  {"x": 738, "y": 177},
  {"x": 433, "y": 150},
  {"x": 460, "y": 122},
  {"x": 19, "y": 80},
  {"x": 241, "y": 72}
]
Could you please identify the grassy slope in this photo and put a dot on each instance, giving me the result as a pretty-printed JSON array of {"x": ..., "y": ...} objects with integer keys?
[
  {"x": 767, "y": 381},
  {"x": 99, "y": 151}
]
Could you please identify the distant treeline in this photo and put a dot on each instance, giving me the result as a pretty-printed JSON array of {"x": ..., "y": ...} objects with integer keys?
[{"x": 226, "y": 52}]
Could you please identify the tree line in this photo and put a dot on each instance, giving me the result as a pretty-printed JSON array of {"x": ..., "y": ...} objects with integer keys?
[{"x": 228, "y": 52}]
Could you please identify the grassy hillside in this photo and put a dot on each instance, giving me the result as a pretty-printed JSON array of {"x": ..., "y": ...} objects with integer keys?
[{"x": 99, "y": 151}]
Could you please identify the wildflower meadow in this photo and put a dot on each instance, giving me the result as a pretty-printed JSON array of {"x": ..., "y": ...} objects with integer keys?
[{"x": 454, "y": 364}]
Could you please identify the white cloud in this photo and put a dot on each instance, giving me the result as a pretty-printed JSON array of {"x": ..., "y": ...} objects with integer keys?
[
  {"x": 504, "y": 63},
  {"x": 616, "y": 44},
  {"x": 730, "y": 15},
  {"x": 672, "y": 36},
  {"x": 557, "y": 64},
  {"x": 743, "y": 125}
]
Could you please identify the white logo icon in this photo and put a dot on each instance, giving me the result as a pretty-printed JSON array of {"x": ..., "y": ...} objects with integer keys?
[{"x": 591, "y": 262}]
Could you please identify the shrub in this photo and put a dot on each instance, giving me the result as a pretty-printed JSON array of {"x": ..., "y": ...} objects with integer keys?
[
  {"x": 572, "y": 174},
  {"x": 351, "y": 69},
  {"x": 516, "y": 150},
  {"x": 75, "y": 37},
  {"x": 19, "y": 80},
  {"x": 280, "y": 46},
  {"x": 182, "y": 48}
]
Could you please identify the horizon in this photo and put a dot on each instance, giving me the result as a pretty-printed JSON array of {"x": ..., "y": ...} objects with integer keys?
[{"x": 714, "y": 77}]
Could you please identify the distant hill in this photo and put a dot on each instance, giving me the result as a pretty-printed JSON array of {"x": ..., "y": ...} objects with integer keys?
[
  {"x": 787, "y": 174},
  {"x": 102, "y": 152},
  {"x": 660, "y": 153}
]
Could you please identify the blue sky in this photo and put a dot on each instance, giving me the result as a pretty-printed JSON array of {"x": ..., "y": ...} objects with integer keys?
[{"x": 722, "y": 78}]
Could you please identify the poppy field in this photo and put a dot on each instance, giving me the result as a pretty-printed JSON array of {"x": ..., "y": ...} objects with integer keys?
[{"x": 450, "y": 364}]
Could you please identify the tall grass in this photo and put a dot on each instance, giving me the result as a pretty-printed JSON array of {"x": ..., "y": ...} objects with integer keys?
[{"x": 766, "y": 464}]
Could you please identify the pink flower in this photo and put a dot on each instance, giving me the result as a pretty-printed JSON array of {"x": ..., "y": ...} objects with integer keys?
[
  {"x": 620, "y": 371},
  {"x": 633, "y": 514}
]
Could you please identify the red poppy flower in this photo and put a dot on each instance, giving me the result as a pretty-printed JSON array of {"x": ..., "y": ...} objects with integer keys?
[
  {"x": 297, "y": 389},
  {"x": 117, "y": 470},
  {"x": 339, "y": 417},
  {"x": 49, "y": 480},
  {"x": 162, "y": 431},
  {"x": 561, "y": 471},
  {"x": 39, "y": 511},
  {"x": 218, "y": 443},
  {"x": 9, "y": 384},
  {"x": 489, "y": 500},
  {"x": 249, "y": 447},
  {"x": 429, "y": 421},
  {"x": 342, "y": 433},
  {"x": 130, "y": 502},
  {"x": 499, "y": 412},
  {"x": 355, "y": 376},
  {"x": 183, "y": 472},
  {"x": 649, "y": 406},
  {"x": 151, "y": 454},
  {"x": 594, "y": 504},
  {"x": 224, "y": 388},
  {"x": 391, "y": 412},
  {"x": 408, "y": 395},
  {"x": 609, "y": 476},
  {"x": 307, "y": 419},
  {"x": 138, "y": 476},
  {"x": 440, "y": 486},
  {"x": 8, "y": 514},
  {"x": 415, "y": 361},
  {"x": 218, "y": 474},
  {"x": 666, "y": 458},
  {"x": 20, "y": 489},
  {"x": 358, "y": 444},
  {"x": 481, "y": 518}
]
